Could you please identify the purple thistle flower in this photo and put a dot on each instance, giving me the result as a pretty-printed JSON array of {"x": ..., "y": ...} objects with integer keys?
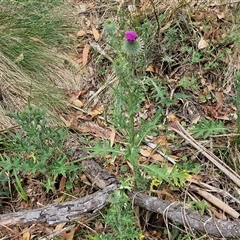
[{"x": 131, "y": 36}]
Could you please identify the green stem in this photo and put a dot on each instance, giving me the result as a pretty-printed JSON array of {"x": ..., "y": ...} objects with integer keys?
[
  {"x": 132, "y": 135},
  {"x": 131, "y": 122}
]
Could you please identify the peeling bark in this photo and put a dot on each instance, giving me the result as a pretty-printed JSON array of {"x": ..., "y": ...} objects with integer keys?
[{"x": 60, "y": 212}]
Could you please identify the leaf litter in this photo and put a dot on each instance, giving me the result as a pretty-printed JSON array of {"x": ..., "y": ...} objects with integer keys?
[{"x": 91, "y": 122}]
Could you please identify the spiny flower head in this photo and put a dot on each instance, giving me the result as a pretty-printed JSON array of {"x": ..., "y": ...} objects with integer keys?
[
  {"x": 132, "y": 43},
  {"x": 131, "y": 36},
  {"x": 110, "y": 27}
]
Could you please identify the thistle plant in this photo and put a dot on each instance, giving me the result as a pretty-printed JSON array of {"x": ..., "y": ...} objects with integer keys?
[
  {"x": 129, "y": 94},
  {"x": 35, "y": 148}
]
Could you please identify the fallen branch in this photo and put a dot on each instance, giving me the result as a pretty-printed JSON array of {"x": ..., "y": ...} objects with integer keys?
[
  {"x": 177, "y": 213},
  {"x": 60, "y": 212}
]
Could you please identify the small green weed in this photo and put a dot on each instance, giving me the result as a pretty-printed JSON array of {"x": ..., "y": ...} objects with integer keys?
[
  {"x": 119, "y": 216},
  {"x": 158, "y": 92},
  {"x": 189, "y": 83},
  {"x": 35, "y": 148},
  {"x": 198, "y": 206}
]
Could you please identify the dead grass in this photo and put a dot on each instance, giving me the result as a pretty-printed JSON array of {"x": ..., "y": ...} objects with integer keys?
[
  {"x": 34, "y": 66},
  {"x": 17, "y": 87}
]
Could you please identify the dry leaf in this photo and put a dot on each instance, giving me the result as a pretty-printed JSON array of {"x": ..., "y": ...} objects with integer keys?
[
  {"x": 96, "y": 112},
  {"x": 91, "y": 4},
  {"x": 220, "y": 97},
  {"x": 58, "y": 200},
  {"x": 161, "y": 141},
  {"x": 202, "y": 44},
  {"x": 165, "y": 195},
  {"x": 145, "y": 152},
  {"x": 60, "y": 226},
  {"x": 81, "y": 33},
  {"x": 85, "y": 54},
  {"x": 67, "y": 122},
  {"x": 221, "y": 15},
  {"x": 95, "y": 33},
  {"x": 112, "y": 136},
  {"x": 62, "y": 183},
  {"x": 196, "y": 119},
  {"x": 150, "y": 69},
  {"x": 198, "y": 17},
  {"x": 69, "y": 235},
  {"x": 77, "y": 103},
  {"x": 158, "y": 157},
  {"x": 101, "y": 122},
  {"x": 75, "y": 95},
  {"x": 91, "y": 127},
  {"x": 225, "y": 118},
  {"x": 220, "y": 101},
  {"x": 209, "y": 88},
  {"x": 172, "y": 117},
  {"x": 148, "y": 152},
  {"x": 26, "y": 235}
]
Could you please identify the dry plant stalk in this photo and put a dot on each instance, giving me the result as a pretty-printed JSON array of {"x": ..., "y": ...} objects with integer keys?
[{"x": 176, "y": 126}]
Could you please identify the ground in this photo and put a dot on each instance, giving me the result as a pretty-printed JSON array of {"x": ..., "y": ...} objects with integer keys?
[{"x": 189, "y": 75}]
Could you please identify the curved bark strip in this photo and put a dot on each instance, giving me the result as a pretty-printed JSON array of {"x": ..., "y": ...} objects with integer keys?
[{"x": 97, "y": 175}]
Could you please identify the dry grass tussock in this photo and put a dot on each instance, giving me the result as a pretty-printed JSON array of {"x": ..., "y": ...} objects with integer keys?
[
  {"x": 35, "y": 35},
  {"x": 46, "y": 91}
]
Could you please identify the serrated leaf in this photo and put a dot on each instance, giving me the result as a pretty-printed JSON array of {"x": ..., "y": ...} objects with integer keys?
[
  {"x": 174, "y": 177},
  {"x": 179, "y": 177},
  {"x": 159, "y": 172},
  {"x": 209, "y": 127}
]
